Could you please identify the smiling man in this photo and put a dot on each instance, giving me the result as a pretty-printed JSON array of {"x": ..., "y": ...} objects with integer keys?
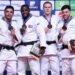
[
  {"x": 68, "y": 39},
  {"x": 31, "y": 30},
  {"x": 7, "y": 32}
]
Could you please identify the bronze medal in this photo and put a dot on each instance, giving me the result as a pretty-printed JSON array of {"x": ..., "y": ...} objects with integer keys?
[{"x": 24, "y": 26}]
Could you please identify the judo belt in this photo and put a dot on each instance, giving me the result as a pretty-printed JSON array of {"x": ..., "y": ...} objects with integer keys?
[
  {"x": 26, "y": 43},
  {"x": 6, "y": 47},
  {"x": 64, "y": 46},
  {"x": 51, "y": 42}
]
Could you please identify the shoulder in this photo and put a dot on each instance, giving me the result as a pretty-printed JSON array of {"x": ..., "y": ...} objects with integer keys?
[
  {"x": 14, "y": 23},
  {"x": 19, "y": 20},
  {"x": 1, "y": 20},
  {"x": 34, "y": 17},
  {"x": 55, "y": 20},
  {"x": 72, "y": 21},
  {"x": 42, "y": 19},
  {"x": 56, "y": 17}
]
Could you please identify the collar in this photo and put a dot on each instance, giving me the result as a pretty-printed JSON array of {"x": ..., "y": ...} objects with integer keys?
[
  {"x": 68, "y": 20},
  {"x": 26, "y": 18},
  {"x": 4, "y": 19}
]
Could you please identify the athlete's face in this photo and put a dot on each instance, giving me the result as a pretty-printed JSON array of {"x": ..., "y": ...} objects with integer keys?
[
  {"x": 9, "y": 13},
  {"x": 66, "y": 13},
  {"x": 25, "y": 11},
  {"x": 47, "y": 8}
]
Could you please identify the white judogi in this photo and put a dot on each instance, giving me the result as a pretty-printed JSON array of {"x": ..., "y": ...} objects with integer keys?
[
  {"x": 68, "y": 60},
  {"x": 50, "y": 57},
  {"x": 7, "y": 57},
  {"x": 33, "y": 31}
]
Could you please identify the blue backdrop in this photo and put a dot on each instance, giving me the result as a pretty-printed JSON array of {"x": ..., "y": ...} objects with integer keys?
[{"x": 35, "y": 6}]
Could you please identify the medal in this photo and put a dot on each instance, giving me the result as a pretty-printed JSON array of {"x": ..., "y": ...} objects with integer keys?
[
  {"x": 23, "y": 29},
  {"x": 49, "y": 26}
]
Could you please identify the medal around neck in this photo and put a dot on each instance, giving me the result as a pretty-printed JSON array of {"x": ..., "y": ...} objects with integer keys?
[
  {"x": 49, "y": 26},
  {"x": 24, "y": 26},
  {"x": 23, "y": 29}
]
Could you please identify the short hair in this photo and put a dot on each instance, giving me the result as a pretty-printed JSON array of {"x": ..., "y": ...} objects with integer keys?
[
  {"x": 9, "y": 7},
  {"x": 27, "y": 6},
  {"x": 47, "y": 3},
  {"x": 66, "y": 7}
]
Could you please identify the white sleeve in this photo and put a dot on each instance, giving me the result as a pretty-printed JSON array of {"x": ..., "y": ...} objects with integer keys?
[
  {"x": 41, "y": 33},
  {"x": 43, "y": 22},
  {"x": 58, "y": 23},
  {"x": 2, "y": 33}
]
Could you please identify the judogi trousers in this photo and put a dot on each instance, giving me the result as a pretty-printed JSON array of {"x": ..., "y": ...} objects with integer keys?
[
  {"x": 25, "y": 58},
  {"x": 8, "y": 61},
  {"x": 50, "y": 60}
]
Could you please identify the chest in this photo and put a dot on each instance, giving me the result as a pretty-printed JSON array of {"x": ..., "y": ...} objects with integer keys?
[
  {"x": 4, "y": 27},
  {"x": 71, "y": 26},
  {"x": 31, "y": 25}
]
